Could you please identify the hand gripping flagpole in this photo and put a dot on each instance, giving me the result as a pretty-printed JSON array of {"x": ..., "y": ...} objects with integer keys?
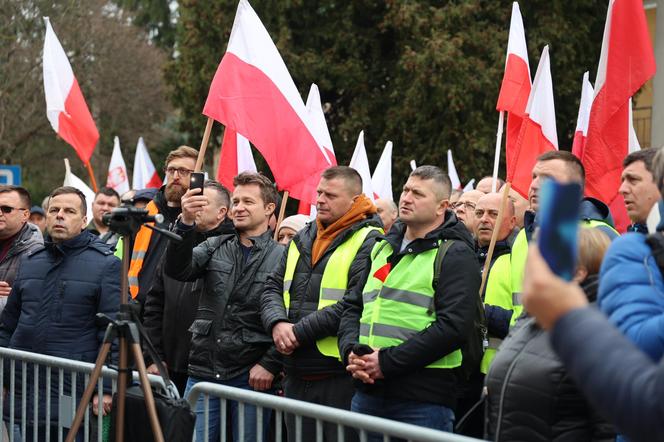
[{"x": 496, "y": 158}]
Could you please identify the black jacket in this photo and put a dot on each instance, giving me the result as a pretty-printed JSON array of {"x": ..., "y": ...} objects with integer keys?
[
  {"x": 404, "y": 365},
  {"x": 170, "y": 309},
  {"x": 29, "y": 238},
  {"x": 228, "y": 336},
  {"x": 156, "y": 248},
  {"x": 312, "y": 324},
  {"x": 532, "y": 397},
  {"x": 497, "y": 318}
]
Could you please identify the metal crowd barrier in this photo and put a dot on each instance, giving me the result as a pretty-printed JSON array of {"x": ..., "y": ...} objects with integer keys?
[
  {"x": 31, "y": 369},
  {"x": 343, "y": 419}
]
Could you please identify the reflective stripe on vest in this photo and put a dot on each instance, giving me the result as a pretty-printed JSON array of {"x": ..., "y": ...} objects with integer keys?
[
  {"x": 141, "y": 244},
  {"x": 334, "y": 282},
  {"x": 402, "y": 306},
  {"x": 498, "y": 293},
  {"x": 519, "y": 255}
]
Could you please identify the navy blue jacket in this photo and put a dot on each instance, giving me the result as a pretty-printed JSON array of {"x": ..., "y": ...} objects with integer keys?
[
  {"x": 622, "y": 383},
  {"x": 56, "y": 295}
]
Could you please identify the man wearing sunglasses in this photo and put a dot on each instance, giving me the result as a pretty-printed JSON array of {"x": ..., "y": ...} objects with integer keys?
[
  {"x": 17, "y": 236},
  {"x": 149, "y": 247}
]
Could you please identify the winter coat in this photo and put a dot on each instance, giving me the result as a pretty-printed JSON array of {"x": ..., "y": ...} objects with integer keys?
[
  {"x": 170, "y": 309},
  {"x": 497, "y": 318},
  {"x": 403, "y": 366},
  {"x": 228, "y": 335},
  {"x": 531, "y": 397},
  {"x": 631, "y": 293},
  {"x": 28, "y": 239},
  {"x": 312, "y": 324},
  {"x": 52, "y": 308}
]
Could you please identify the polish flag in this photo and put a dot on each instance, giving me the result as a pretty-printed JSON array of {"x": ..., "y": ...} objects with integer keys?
[
  {"x": 381, "y": 180},
  {"x": 77, "y": 183},
  {"x": 538, "y": 131},
  {"x": 452, "y": 172},
  {"x": 516, "y": 86},
  {"x": 253, "y": 94},
  {"x": 65, "y": 106},
  {"x": 626, "y": 62},
  {"x": 117, "y": 178},
  {"x": 235, "y": 158},
  {"x": 581, "y": 133},
  {"x": 360, "y": 162},
  {"x": 145, "y": 175}
]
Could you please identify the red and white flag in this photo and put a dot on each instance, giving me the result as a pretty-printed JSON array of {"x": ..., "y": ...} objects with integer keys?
[
  {"x": 452, "y": 172},
  {"x": 516, "y": 86},
  {"x": 581, "y": 132},
  {"x": 117, "y": 178},
  {"x": 381, "y": 180},
  {"x": 65, "y": 106},
  {"x": 538, "y": 132},
  {"x": 319, "y": 125},
  {"x": 626, "y": 62},
  {"x": 145, "y": 175},
  {"x": 253, "y": 94},
  {"x": 360, "y": 162},
  {"x": 235, "y": 158}
]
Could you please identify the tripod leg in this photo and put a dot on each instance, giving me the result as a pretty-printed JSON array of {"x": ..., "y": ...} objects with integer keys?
[
  {"x": 122, "y": 389},
  {"x": 147, "y": 392},
  {"x": 87, "y": 394}
]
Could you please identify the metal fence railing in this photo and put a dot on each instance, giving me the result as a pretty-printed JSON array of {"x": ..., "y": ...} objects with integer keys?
[
  {"x": 41, "y": 394},
  {"x": 281, "y": 406}
]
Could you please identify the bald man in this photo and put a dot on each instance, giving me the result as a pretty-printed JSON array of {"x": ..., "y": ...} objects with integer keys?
[
  {"x": 387, "y": 211},
  {"x": 465, "y": 209}
]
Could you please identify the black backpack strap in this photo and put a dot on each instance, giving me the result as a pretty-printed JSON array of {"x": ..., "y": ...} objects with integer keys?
[{"x": 438, "y": 263}]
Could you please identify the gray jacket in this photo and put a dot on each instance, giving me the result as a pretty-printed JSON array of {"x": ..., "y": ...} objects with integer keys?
[{"x": 28, "y": 239}]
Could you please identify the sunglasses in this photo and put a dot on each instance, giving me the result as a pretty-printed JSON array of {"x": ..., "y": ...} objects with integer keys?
[{"x": 10, "y": 209}]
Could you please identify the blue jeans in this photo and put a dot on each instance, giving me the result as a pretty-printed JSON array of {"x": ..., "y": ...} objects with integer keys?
[
  {"x": 437, "y": 417},
  {"x": 250, "y": 431}
]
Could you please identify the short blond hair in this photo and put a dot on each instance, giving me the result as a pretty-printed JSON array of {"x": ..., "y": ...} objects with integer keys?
[
  {"x": 181, "y": 152},
  {"x": 593, "y": 244}
]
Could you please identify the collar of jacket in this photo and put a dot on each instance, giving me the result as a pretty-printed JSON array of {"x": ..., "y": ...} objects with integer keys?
[
  {"x": 83, "y": 240},
  {"x": 304, "y": 239},
  {"x": 258, "y": 241},
  {"x": 450, "y": 228},
  {"x": 638, "y": 228},
  {"x": 27, "y": 233},
  {"x": 501, "y": 248}
]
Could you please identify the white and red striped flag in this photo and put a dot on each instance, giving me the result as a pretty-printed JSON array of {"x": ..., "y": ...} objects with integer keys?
[
  {"x": 145, "y": 175},
  {"x": 360, "y": 162},
  {"x": 538, "y": 132},
  {"x": 581, "y": 132},
  {"x": 452, "y": 172},
  {"x": 65, "y": 106},
  {"x": 516, "y": 85},
  {"x": 626, "y": 62},
  {"x": 117, "y": 178},
  {"x": 235, "y": 158},
  {"x": 381, "y": 180},
  {"x": 253, "y": 94}
]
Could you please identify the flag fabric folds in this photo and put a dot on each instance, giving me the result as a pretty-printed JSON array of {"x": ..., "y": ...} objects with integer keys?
[
  {"x": 538, "y": 132},
  {"x": 360, "y": 162},
  {"x": 381, "y": 180},
  {"x": 65, "y": 106},
  {"x": 452, "y": 172},
  {"x": 77, "y": 183},
  {"x": 235, "y": 158},
  {"x": 253, "y": 94},
  {"x": 581, "y": 132},
  {"x": 145, "y": 175},
  {"x": 117, "y": 178}
]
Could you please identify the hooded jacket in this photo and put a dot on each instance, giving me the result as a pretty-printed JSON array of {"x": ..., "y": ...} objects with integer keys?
[
  {"x": 312, "y": 324},
  {"x": 29, "y": 238},
  {"x": 403, "y": 366},
  {"x": 170, "y": 309},
  {"x": 228, "y": 337},
  {"x": 530, "y": 394}
]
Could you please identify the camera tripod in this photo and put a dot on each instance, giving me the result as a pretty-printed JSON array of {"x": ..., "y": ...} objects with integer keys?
[{"x": 126, "y": 221}]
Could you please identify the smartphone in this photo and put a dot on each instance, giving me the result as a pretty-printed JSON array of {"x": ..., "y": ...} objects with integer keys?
[
  {"x": 558, "y": 226},
  {"x": 196, "y": 180}
]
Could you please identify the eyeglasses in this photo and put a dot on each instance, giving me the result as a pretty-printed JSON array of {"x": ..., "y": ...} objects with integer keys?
[
  {"x": 468, "y": 205},
  {"x": 10, "y": 209},
  {"x": 182, "y": 171}
]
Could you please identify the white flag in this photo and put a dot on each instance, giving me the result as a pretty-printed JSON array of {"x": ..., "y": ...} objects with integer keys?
[
  {"x": 117, "y": 178},
  {"x": 360, "y": 162},
  {"x": 381, "y": 180},
  {"x": 452, "y": 172},
  {"x": 74, "y": 181}
]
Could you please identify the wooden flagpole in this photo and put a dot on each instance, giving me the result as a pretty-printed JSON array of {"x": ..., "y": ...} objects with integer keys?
[
  {"x": 204, "y": 144},
  {"x": 93, "y": 181},
  {"x": 282, "y": 210},
  {"x": 496, "y": 158},
  {"x": 494, "y": 235}
]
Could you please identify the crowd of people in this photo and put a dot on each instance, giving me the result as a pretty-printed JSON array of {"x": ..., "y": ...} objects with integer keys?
[{"x": 377, "y": 307}]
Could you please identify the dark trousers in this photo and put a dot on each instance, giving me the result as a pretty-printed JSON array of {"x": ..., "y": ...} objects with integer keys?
[{"x": 335, "y": 391}]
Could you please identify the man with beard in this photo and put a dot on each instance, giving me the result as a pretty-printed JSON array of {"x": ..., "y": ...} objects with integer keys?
[{"x": 149, "y": 247}]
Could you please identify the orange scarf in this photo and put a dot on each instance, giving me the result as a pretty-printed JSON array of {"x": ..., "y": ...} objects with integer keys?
[{"x": 362, "y": 207}]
